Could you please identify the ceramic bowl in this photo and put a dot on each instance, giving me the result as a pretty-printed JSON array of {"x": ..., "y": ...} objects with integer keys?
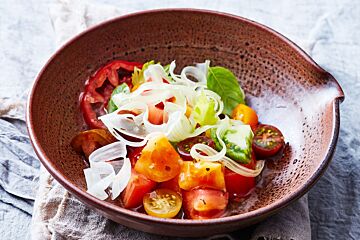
[{"x": 283, "y": 84}]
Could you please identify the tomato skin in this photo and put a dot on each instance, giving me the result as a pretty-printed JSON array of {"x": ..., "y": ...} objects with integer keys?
[
  {"x": 237, "y": 185},
  {"x": 98, "y": 90},
  {"x": 204, "y": 203},
  {"x": 88, "y": 141},
  {"x": 159, "y": 161},
  {"x": 185, "y": 146},
  {"x": 201, "y": 174},
  {"x": 137, "y": 187},
  {"x": 134, "y": 154},
  {"x": 172, "y": 184},
  {"x": 268, "y": 140},
  {"x": 246, "y": 114},
  {"x": 163, "y": 203}
]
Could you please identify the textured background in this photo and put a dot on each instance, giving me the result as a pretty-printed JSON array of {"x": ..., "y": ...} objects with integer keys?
[{"x": 328, "y": 30}]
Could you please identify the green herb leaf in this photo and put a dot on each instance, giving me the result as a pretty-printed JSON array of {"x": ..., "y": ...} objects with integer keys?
[
  {"x": 138, "y": 75},
  {"x": 122, "y": 88},
  {"x": 224, "y": 83},
  {"x": 204, "y": 111}
]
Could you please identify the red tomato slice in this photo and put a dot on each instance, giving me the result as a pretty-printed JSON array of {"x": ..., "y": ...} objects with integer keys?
[
  {"x": 136, "y": 189},
  {"x": 204, "y": 203},
  {"x": 99, "y": 87},
  {"x": 238, "y": 185}
]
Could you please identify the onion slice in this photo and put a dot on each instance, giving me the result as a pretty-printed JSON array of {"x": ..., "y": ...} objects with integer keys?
[{"x": 101, "y": 175}]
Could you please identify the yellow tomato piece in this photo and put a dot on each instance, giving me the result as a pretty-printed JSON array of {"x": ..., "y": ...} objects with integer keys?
[
  {"x": 201, "y": 174},
  {"x": 245, "y": 114},
  {"x": 163, "y": 203},
  {"x": 159, "y": 161}
]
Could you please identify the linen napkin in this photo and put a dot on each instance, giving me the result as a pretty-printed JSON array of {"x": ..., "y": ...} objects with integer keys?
[{"x": 59, "y": 215}]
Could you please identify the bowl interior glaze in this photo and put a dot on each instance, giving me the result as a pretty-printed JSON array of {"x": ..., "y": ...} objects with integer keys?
[{"x": 281, "y": 83}]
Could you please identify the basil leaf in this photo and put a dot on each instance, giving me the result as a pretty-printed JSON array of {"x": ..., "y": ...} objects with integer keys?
[
  {"x": 122, "y": 88},
  {"x": 224, "y": 83}
]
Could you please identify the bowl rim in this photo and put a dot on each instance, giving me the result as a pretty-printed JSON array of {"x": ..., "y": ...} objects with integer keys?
[{"x": 264, "y": 211}]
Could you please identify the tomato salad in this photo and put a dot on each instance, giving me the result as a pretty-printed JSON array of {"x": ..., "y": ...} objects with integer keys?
[{"x": 171, "y": 145}]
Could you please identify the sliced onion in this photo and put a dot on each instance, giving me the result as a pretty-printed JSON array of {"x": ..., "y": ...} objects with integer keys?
[
  {"x": 121, "y": 179},
  {"x": 109, "y": 152},
  {"x": 156, "y": 73},
  {"x": 101, "y": 174}
]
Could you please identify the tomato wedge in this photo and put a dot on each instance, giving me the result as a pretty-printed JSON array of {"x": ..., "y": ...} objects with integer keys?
[
  {"x": 185, "y": 146},
  {"x": 137, "y": 187},
  {"x": 246, "y": 114},
  {"x": 88, "y": 141},
  {"x": 163, "y": 203},
  {"x": 201, "y": 174},
  {"x": 99, "y": 87},
  {"x": 268, "y": 140},
  {"x": 159, "y": 161},
  {"x": 237, "y": 185},
  {"x": 172, "y": 184},
  {"x": 204, "y": 203}
]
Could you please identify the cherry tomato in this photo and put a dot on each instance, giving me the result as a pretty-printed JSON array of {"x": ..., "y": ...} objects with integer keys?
[
  {"x": 246, "y": 114},
  {"x": 163, "y": 203},
  {"x": 88, "y": 141},
  {"x": 201, "y": 174},
  {"x": 268, "y": 140},
  {"x": 137, "y": 187},
  {"x": 185, "y": 146},
  {"x": 98, "y": 90},
  {"x": 134, "y": 154},
  {"x": 204, "y": 203},
  {"x": 159, "y": 161}
]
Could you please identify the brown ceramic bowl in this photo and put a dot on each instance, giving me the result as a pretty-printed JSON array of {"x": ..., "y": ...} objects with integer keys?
[{"x": 284, "y": 85}]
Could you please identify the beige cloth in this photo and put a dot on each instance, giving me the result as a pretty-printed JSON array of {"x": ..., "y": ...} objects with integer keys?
[{"x": 59, "y": 215}]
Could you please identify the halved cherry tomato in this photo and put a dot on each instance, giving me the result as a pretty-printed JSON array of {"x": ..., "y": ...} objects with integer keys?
[
  {"x": 88, "y": 141},
  {"x": 99, "y": 87},
  {"x": 134, "y": 154},
  {"x": 163, "y": 203},
  {"x": 246, "y": 114},
  {"x": 185, "y": 146},
  {"x": 137, "y": 187},
  {"x": 267, "y": 141},
  {"x": 201, "y": 174},
  {"x": 159, "y": 161},
  {"x": 204, "y": 203}
]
